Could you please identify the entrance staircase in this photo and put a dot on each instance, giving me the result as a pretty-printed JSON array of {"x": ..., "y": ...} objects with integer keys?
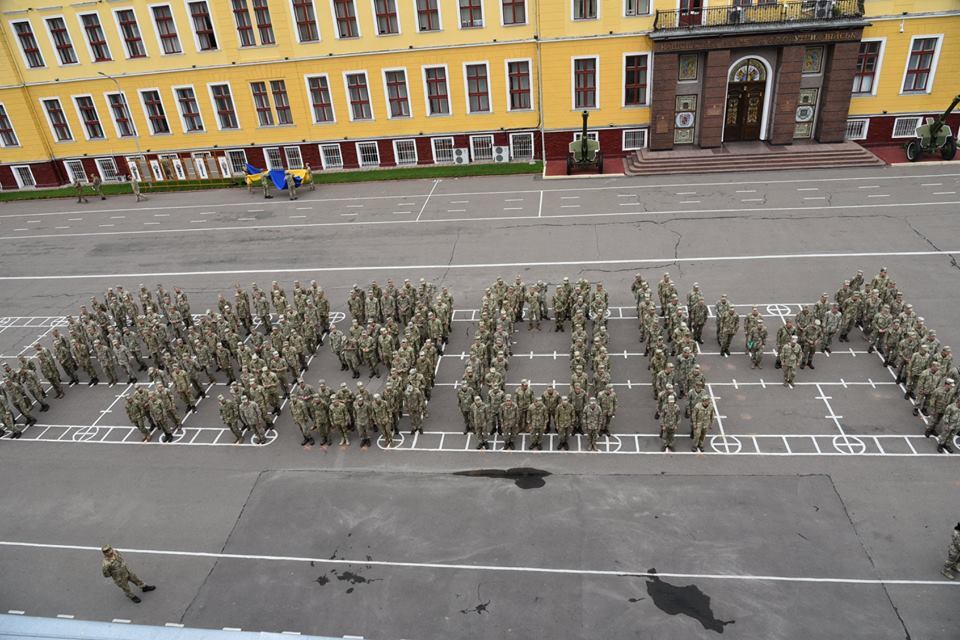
[{"x": 749, "y": 156}]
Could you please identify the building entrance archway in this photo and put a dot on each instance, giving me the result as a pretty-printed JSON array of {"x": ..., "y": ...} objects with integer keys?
[{"x": 746, "y": 100}]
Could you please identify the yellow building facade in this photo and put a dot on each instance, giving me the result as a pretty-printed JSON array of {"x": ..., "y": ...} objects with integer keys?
[{"x": 182, "y": 89}]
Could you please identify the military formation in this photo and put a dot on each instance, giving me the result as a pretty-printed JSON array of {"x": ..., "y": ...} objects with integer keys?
[{"x": 591, "y": 403}]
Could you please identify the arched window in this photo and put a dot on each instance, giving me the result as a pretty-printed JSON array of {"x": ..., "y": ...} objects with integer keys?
[{"x": 750, "y": 70}]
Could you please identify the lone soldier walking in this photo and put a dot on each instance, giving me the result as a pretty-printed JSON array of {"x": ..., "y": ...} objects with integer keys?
[
  {"x": 291, "y": 183},
  {"x": 701, "y": 418},
  {"x": 135, "y": 186},
  {"x": 265, "y": 183},
  {"x": 78, "y": 191},
  {"x": 97, "y": 185},
  {"x": 790, "y": 355},
  {"x": 952, "y": 564},
  {"x": 115, "y": 567}
]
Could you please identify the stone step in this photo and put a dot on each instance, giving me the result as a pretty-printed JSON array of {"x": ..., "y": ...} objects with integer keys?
[{"x": 825, "y": 158}]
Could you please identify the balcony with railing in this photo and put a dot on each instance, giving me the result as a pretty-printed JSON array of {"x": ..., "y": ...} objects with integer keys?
[{"x": 759, "y": 15}]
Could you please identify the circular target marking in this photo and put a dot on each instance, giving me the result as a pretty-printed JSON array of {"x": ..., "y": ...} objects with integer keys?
[
  {"x": 609, "y": 444},
  {"x": 849, "y": 445},
  {"x": 778, "y": 309},
  {"x": 725, "y": 444},
  {"x": 398, "y": 441},
  {"x": 83, "y": 434},
  {"x": 337, "y": 316}
]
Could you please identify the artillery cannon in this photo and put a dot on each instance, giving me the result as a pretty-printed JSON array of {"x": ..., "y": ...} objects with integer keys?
[
  {"x": 934, "y": 136},
  {"x": 584, "y": 153}
]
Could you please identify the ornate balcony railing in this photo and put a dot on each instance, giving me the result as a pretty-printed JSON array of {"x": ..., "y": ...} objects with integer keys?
[{"x": 798, "y": 11}]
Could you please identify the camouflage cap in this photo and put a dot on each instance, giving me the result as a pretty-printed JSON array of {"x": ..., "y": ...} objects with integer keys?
[{"x": 106, "y": 549}]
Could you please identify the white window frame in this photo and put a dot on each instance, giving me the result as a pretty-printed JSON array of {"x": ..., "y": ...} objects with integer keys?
[
  {"x": 176, "y": 100},
  {"x": 103, "y": 174},
  {"x": 866, "y": 127},
  {"x": 573, "y": 7},
  {"x": 360, "y": 154},
  {"x": 473, "y": 155},
  {"x": 16, "y": 175},
  {"x": 623, "y": 80},
  {"x": 573, "y": 82},
  {"x": 224, "y": 163},
  {"x": 876, "y": 74},
  {"x": 213, "y": 25},
  {"x": 294, "y": 27},
  {"x": 53, "y": 43},
  {"x": 356, "y": 17},
  {"x": 912, "y": 134},
  {"x": 229, "y": 157},
  {"x": 23, "y": 53},
  {"x": 433, "y": 149},
  {"x": 466, "y": 88},
  {"x": 483, "y": 17},
  {"x": 53, "y": 131},
  {"x": 649, "y": 12},
  {"x": 373, "y": 12},
  {"x": 156, "y": 170},
  {"x": 591, "y": 135},
  {"x": 416, "y": 17},
  {"x": 299, "y": 159},
  {"x": 213, "y": 104},
  {"x": 133, "y": 167},
  {"x": 506, "y": 76},
  {"x": 386, "y": 92},
  {"x": 123, "y": 41},
  {"x": 426, "y": 90},
  {"x": 266, "y": 159},
  {"x": 346, "y": 89},
  {"x": 113, "y": 117},
  {"x": 533, "y": 151},
  {"x": 146, "y": 114},
  {"x": 199, "y": 164},
  {"x": 309, "y": 98},
  {"x": 623, "y": 138},
  {"x": 933, "y": 64},
  {"x": 526, "y": 15},
  {"x": 3, "y": 145},
  {"x": 396, "y": 152},
  {"x": 323, "y": 157},
  {"x": 82, "y": 122},
  {"x": 156, "y": 31},
  {"x": 178, "y": 171},
  {"x": 71, "y": 174}
]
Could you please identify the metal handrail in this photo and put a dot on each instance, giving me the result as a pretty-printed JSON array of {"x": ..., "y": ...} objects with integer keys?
[{"x": 761, "y": 13}]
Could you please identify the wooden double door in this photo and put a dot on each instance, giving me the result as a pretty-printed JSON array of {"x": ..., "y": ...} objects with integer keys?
[{"x": 744, "y": 111}]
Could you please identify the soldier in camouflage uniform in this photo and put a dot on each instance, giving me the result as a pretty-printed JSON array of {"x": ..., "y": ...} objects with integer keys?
[
  {"x": 48, "y": 366},
  {"x": 7, "y": 421},
  {"x": 252, "y": 416},
  {"x": 383, "y": 418},
  {"x": 480, "y": 421},
  {"x": 669, "y": 421},
  {"x": 790, "y": 355},
  {"x": 812, "y": 335},
  {"x": 756, "y": 340},
  {"x": 939, "y": 401},
  {"x": 537, "y": 422},
  {"x": 363, "y": 420},
  {"x": 115, "y": 568},
  {"x": 565, "y": 419},
  {"x": 230, "y": 414},
  {"x": 509, "y": 421},
  {"x": 701, "y": 419},
  {"x": 831, "y": 325},
  {"x": 952, "y": 565},
  {"x": 300, "y": 412},
  {"x": 17, "y": 399},
  {"x": 608, "y": 402},
  {"x": 926, "y": 384},
  {"x": 416, "y": 405},
  {"x": 728, "y": 328},
  {"x": 593, "y": 420},
  {"x": 137, "y": 417}
]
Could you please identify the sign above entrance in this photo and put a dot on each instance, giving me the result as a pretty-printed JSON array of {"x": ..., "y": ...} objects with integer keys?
[{"x": 758, "y": 40}]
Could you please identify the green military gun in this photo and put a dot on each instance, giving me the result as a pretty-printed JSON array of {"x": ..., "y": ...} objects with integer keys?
[
  {"x": 584, "y": 153},
  {"x": 934, "y": 136}
]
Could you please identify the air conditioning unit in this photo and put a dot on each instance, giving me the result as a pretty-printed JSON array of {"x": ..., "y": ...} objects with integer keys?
[
  {"x": 501, "y": 154},
  {"x": 461, "y": 155},
  {"x": 823, "y": 9}
]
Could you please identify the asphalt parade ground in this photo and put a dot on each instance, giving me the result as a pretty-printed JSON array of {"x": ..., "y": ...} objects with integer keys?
[{"x": 817, "y": 511}]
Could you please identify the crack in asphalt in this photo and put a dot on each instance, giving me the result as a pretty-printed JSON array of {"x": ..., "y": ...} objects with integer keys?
[{"x": 953, "y": 260}]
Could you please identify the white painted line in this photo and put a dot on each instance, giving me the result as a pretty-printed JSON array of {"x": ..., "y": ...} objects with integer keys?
[
  {"x": 456, "y": 210},
  {"x": 245, "y": 219},
  {"x": 67, "y": 227},
  {"x": 631, "y": 195},
  {"x": 932, "y": 184},
  {"x": 295, "y": 217},
  {"x": 815, "y": 198},
  {"x": 33, "y": 222},
  {"x": 513, "y": 200},
  {"x": 105, "y": 225},
  {"x": 746, "y": 191},
  {"x": 397, "y": 213},
  {"x": 120, "y": 621},
  {"x": 427, "y": 200},
  {"x": 175, "y": 625},
  {"x": 569, "y": 206},
  {"x": 879, "y": 195},
  {"x": 151, "y": 223},
  {"x": 345, "y": 215},
  {"x": 232, "y": 629},
  {"x": 540, "y": 206},
  {"x": 304, "y": 208},
  {"x": 355, "y": 206},
  {"x": 689, "y": 202},
  {"x": 196, "y": 221},
  {"x": 752, "y": 200},
  {"x": 161, "y": 215},
  {"x": 297, "y": 633},
  {"x": 616, "y": 573},
  {"x": 808, "y": 189},
  {"x": 406, "y": 204},
  {"x": 255, "y": 210},
  {"x": 500, "y": 265},
  {"x": 630, "y": 204},
  {"x": 206, "y": 213},
  {"x": 118, "y": 217},
  {"x": 569, "y": 197},
  {"x": 870, "y": 186},
  {"x": 459, "y": 202},
  {"x": 65, "y": 616},
  {"x": 685, "y": 193},
  {"x": 74, "y": 219},
  {"x": 15, "y": 612},
  {"x": 944, "y": 193}
]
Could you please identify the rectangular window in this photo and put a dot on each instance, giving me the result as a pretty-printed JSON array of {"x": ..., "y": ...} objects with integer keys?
[
  {"x": 306, "y": 19},
  {"x": 478, "y": 89},
  {"x": 634, "y": 139},
  {"x": 481, "y": 148},
  {"x": 635, "y": 80},
  {"x": 58, "y": 120},
  {"x": 294, "y": 158},
  {"x": 61, "y": 40},
  {"x": 521, "y": 146},
  {"x": 397, "y": 93},
  {"x": 238, "y": 160},
  {"x": 108, "y": 169},
  {"x": 346, "y": 15},
  {"x": 428, "y": 15},
  {"x": 857, "y": 129},
  {"x": 89, "y": 117},
  {"x": 281, "y": 102},
  {"x": 514, "y": 11},
  {"x": 320, "y": 99},
  {"x": 920, "y": 65},
  {"x": 121, "y": 115},
  {"x": 405, "y": 151},
  {"x": 330, "y": 156},
  {"x": 273, "y": 158},
  {"x": 437, "y": 99},
  {"x": 584, "y": 9},
  {"x": 585, "y": 83},
  {"x": 442, "y": 149},
  {"x": 223, "y": 105},
  {"x": 28, "y": 44},
  {"x": 153, "y": 106},
  {"x": 8, "y": 137},
  {"x": 130, "y": 31},
  {"x": 95, "y": 37},
  {"x": 261, "y": 12},
  {"x": 864, "y": 77},
  {"x": 203, "y": 26},
  {"x": 471, "y": 14},
  {"x": 637, "y": 7},
  {"x": 167, "y": 30},
  {"x": 359, "y": 97},
  {"x": 387, "y": 22},
  {"x": 24, "y": 176},
  {"x": 189, "y": 109},
  {"x": 519, "y": 73},
  {"x": 591, "y": 135},
  {"x": 261, "y": 101},
  {"x": 241, "y": 16},
  {"x": 75, "y": 171},
  {"x": 369, "y": 154},
  {"x": 906, "y": 127}
]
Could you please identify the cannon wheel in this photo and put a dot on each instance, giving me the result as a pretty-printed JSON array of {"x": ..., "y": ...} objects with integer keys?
[
  {"x": 949, "y": 149},
  {"x": 914, "y": 149}
]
